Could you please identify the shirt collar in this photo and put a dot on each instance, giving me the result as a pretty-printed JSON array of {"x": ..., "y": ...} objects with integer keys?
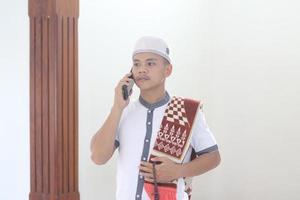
[{"x": 157, "y": 104}]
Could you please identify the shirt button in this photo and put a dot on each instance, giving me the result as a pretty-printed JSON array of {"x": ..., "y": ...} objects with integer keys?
[
  {"x": 141, "y": 177},
  {"x": 144, "y": 158},
  {"x": 149, "y": 123},
  {"x": 149, "y": 111},
  {"x": 138, "y": 196},
  {"x": 147, "y": 140}
]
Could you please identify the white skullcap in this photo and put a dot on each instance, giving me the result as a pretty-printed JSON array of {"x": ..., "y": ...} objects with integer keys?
[{"x": 152, "y": 45}]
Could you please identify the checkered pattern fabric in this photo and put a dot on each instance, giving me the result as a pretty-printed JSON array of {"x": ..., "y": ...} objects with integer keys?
[{"x": 176, "y": 112}]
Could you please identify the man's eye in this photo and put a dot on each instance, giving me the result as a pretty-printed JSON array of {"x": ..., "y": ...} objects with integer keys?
[
  {"x": 135, "y": 64},
  {"x": 151, "y": 63}
]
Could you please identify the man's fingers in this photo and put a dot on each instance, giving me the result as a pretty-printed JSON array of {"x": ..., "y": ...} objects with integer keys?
[
  {"x": 145, "y": 169},
  {"x": 146, "y": 175},
  {"x": 149, "y": 180},
  {"x": 159, "y": 159},
  {"x": 126, "y": 77},
  {"x": 146, "y": 164},
  {"x": 124, "y": 81}
]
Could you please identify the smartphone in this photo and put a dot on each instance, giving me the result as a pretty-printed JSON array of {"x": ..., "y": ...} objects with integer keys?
[{"x": 127, "y": 90}]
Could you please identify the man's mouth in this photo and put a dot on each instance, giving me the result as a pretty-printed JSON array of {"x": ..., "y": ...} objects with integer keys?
[{"x": 142, "y": 78}]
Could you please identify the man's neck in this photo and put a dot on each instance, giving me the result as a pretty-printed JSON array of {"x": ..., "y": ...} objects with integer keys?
[{"x": 153, "y": 96}]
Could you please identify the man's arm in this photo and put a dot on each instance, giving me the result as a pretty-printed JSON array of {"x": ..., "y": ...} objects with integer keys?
[
  {"x": 103, "y": 142},
  {"x": 168, "y": 170},
  {"x": 200, "y": 165}
]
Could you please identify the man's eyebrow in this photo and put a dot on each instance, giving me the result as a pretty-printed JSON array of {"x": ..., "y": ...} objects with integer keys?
[{"x": 151, "y": 59}]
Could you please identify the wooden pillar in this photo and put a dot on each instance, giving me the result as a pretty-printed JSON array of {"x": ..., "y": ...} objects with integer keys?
[{"x": 53, "y": 99}]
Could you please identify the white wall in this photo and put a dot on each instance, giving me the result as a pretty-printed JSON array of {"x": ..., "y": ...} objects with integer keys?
[
  {"x": 14, "y": 100},
  {"x": 240, "y": 57}
]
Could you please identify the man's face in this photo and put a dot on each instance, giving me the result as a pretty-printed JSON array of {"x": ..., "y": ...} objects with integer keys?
[{"x": 150, "y": 71}]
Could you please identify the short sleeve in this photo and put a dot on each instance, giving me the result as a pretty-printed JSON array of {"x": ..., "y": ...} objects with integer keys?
[
  {"x": 117, "y": 143},
  {"x": 119, "y": 128},
  {"x": 203, "y": 141},
  {"x": 117, "y": 139},
  {"x": 120, "y": 125}
]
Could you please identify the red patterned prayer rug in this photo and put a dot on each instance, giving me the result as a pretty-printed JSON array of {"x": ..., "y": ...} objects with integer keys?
[{"x": 173, "y": 140}]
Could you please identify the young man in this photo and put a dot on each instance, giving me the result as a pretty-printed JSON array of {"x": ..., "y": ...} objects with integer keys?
[{"x": 156, "y": 134}]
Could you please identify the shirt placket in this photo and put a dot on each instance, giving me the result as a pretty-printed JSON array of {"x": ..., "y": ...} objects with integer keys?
[{"x": 145, "y": 152}]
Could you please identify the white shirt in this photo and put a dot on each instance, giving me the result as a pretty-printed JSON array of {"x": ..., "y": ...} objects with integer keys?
[{"x": 136, "y": 135}]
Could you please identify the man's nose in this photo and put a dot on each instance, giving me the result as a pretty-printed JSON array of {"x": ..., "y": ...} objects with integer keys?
[{"x": 142, "y": 69}]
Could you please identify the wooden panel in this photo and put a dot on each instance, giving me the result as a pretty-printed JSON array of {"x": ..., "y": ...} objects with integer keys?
[
  {"x": 38, "y": 105},
  {"x": 53, "y": 100},
  {"x": 59, "y": 104},
  {"x": 65, "y": 118},
  {"x": 75, "y": 58},
  {"x": 45, "y": 102},
  {"x": 32, "y": 107},
  {"x": 71, "y": 115},
  {"x": 53, "y": 7},
  {"x": 68, "y": 196},
  {"x": 53, "y": 106}
]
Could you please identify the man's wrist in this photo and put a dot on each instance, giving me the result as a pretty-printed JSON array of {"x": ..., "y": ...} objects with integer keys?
[
  {"x": 179, "y": 171},
  {"x": 116, "y": 110}
]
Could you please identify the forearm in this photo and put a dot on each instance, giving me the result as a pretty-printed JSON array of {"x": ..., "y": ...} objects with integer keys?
[
  {"x": 200, "y": 165},
  {"x": 102, "y": 144}
]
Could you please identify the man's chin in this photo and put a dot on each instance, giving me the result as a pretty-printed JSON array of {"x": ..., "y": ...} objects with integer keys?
[{"x": 143, "y": 87}]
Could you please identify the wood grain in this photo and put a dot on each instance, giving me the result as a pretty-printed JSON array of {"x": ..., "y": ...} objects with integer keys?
[{"x": 53, "y": 100}]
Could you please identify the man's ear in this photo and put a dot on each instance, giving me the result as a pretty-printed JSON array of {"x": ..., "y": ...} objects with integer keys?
[{"x": 169, "y": 70}]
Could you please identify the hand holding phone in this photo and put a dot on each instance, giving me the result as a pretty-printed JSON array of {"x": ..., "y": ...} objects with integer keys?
[{"x": 127, "y": 90}]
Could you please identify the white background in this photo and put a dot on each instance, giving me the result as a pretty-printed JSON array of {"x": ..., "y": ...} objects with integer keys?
[{"x": 240, "y": 57}]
